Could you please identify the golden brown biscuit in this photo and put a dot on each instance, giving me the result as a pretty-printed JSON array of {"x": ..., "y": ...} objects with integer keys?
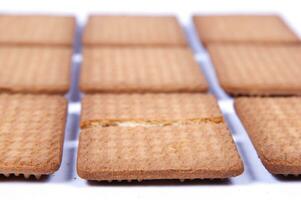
[
  {"x": 154, "y": 136},
  {"x": 31, "y": 133},
  {"x": 149, "y": 109},
  {"x": 243, "y": 28},
  {"x": 35, "y": 69},
  {"x": 257, "y": 69},
  {"x": 274, "y": 127},
  {"x": 135, "y": 69},
  {"x": 171, "y": 152},
  {"x": 37, "y": 30},
  {"x": 133, "y": 30}
]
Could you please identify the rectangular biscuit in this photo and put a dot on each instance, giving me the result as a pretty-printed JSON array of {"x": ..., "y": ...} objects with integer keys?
[
  {"x": 138, "y": 69},
  {"x": 258, "y": 69},
  {"x": 243, "y": 29},
  {"x": 35, "y": 69},
  {"x": 130, "y": 30},
  {"x": 148, "y": 109},
  {"x": 171, "y": 152},
  {"x": 31, "y": 133},
  {"x": 274, "y": 126},
  {"x": 37, "y": 30},
  {"x": 154, "y": 136}
]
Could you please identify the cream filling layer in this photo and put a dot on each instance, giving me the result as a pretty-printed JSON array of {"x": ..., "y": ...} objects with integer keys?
[{"x": 149, "y": 123}]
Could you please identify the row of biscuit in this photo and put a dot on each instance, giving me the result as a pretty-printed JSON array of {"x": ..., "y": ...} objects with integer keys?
[
  {"x": 179, "y": 134},
  {"x": 260, "y": 56},
  {"x": 146, "y": 114},
  {"x": 35, "y": 59}
]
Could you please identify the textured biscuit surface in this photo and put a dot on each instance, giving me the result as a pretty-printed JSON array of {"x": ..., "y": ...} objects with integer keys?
[
  {"x": 37, "y": 30},
  {"x": 35, "y": 69},
  {"x": 154, "y": 136},
  {"x": 274, "y": 127},
  {"x": 171, "y": 152},
  {"x": 243, "y": 28},
  {"x": 258, "y": 69},
  {"x": 133, "y": 30},
  {"x": 141, "y": 70},
  {"x": 31, "y": 133},
  {"x": 152, "y": 108}
]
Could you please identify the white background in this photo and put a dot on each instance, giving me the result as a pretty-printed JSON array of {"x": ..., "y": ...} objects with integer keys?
[{"x": 254, "y": 182}]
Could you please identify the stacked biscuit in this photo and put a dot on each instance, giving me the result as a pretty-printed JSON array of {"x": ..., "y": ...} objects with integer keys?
[
  {"x": 35, "y": 57},
  {"x": 144, "y": 113},
  {"x": 260, "y": 56}
]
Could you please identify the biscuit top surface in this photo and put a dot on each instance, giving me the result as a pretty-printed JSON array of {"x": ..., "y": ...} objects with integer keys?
[
  {"x": 270, "y": 108},
  {"x": 244, "y": 28},
  {"x": 133, "y": 30},
  {"x": 37, "y": 30},
  {"x": 153, "y": 108},
  {"x": 196, "y": 151},
  {"x": 136, "y": 69},
  {"x": 257, "y": 69},
  {"x": 274, "y": 126},
  {"x": 31, "y": 133},
  {"x": 35, "y": 69}
]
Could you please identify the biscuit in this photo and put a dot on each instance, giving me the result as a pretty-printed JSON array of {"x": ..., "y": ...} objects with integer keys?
[
  {"x": 274, "y": 126},
  {"x": 243, "y": 28},
  {"x": 35, "y": 69},
  {"x": 170, "y": 152},
  {"x": 148, "y": 109},
  {"x": 257, "y": 69},
  {"x": 31, "y": 133},
  {"x": 133, "y": 30},
  {"x": 37, "y": 30},
  {"x": 154, "y": 136},
  {"x": 136, "y": 69}
]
